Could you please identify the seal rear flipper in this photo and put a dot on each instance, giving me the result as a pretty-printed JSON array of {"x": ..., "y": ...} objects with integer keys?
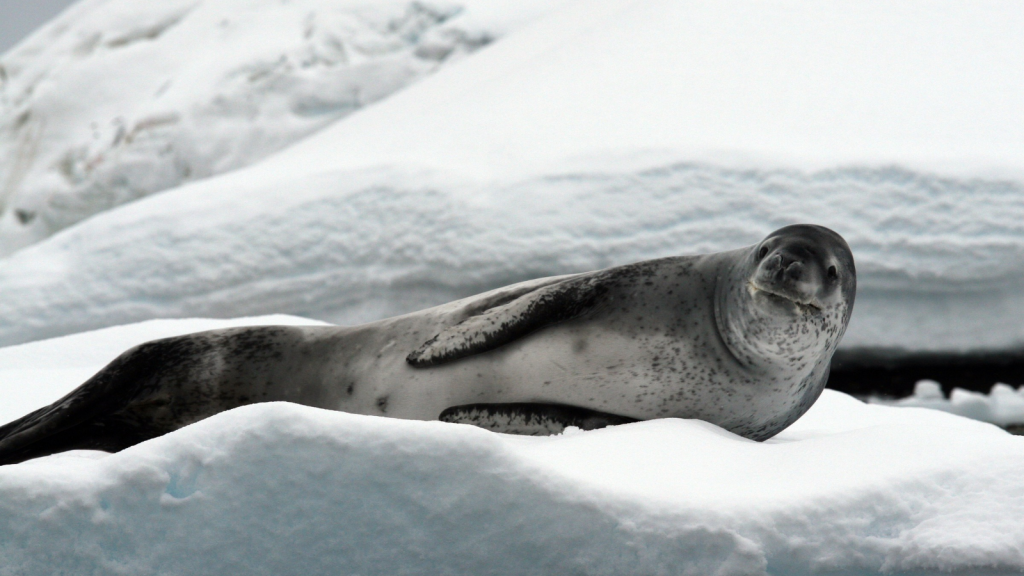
[
  {"x": 52, "y": 429},
  {"x": 107, "y": 435},
  {"x": 87, "y": 418},
  {"x": 503, "y": 324},
  {"x": 531, "y": 418}
]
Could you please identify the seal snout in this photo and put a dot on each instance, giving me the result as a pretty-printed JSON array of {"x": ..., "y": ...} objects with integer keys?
[
  {"x": 789, "y": 272},
  {"x": 789, "y": 267}
]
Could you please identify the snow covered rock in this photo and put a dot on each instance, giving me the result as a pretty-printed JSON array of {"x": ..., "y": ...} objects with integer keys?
[{"x": 116, "y": 99}]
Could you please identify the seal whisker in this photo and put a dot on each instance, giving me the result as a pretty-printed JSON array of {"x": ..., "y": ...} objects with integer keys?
[{"x": 809, "y": 303}]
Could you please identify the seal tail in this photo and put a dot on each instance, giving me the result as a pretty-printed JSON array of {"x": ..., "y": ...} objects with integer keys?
[{"x": 87, "y": 418}]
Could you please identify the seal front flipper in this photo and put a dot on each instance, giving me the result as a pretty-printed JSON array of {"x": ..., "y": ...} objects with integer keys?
[
  {"x": 503, "y": 324},
  {"x": 530, "y": 418}
]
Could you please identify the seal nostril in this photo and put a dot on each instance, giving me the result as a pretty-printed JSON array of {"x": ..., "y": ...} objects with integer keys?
[{"x": 795, "y": 270}]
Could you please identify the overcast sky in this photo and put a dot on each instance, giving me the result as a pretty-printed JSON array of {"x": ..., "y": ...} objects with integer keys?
[{"x": 20, "y": 17}]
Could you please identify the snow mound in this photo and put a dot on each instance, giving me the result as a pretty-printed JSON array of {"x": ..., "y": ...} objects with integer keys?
[
  {"x": 933, "y": 87},
  {"x": 115, "y": 99},
  {"x": 279, "y": 488},
  {"x": 1003, "y": 405},
  {"x": 603, "y": 133},
  {"x": 940, "y": 269},
  {"x": 269, "y": 488}
]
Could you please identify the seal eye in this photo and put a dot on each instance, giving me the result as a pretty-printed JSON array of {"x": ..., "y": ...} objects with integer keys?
[
  {"x": 764, "y": 252},
  {"x": 832, "y": 274}
]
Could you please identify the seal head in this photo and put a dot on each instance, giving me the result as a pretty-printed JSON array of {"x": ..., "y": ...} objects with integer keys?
[
  {"x": 783, "y": 306},
  {"x": 805, "y": 266}
]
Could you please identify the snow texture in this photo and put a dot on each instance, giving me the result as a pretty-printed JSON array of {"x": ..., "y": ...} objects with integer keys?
[
  {"x": 602, "y": 133},
  {"x": 117, "y": 99},
  {"x": 284, "y": 489},
  {"x": 278, "y": 488},
  {"x": 1003, "y": 405},
  {"x": 940, "y": 269}
]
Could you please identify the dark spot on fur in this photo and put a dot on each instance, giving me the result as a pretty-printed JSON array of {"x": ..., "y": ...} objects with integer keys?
[{"x": 382, "y": 404}]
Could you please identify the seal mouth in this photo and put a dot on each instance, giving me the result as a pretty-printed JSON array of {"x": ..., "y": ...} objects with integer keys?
[{"x": 811, "y": 304}]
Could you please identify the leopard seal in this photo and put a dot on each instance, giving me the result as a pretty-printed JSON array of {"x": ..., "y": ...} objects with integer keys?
[{"x": 742, "y": 339}]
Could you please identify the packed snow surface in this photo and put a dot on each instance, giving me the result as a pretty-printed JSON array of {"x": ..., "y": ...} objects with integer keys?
[
  {"x": 117, "y": 99},
  {"x": 939, "y": 262},
  {"x": 1003, "y": 405},
  {"x": 605, "y": 132},
  {"x": 850, "y": 488}
]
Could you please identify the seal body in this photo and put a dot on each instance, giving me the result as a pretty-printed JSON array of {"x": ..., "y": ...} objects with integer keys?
[{"x": 741, "y": 339}]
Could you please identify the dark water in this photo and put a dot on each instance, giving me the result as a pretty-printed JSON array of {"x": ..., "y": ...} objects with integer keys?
[{"x": 893, "y": 373}]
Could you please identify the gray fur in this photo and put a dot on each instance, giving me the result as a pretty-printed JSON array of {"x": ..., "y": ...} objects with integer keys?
[{"x": 740, "y": 339}]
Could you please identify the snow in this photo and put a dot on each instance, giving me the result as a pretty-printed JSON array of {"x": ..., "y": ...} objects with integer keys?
[
  {"x": 115, "y": 99},
  {"x": 279, "y": 489},
  {"x": 924, "y": 85},
  {"x": 592, "y": 134},
  {"x": 600, "y": 133},
  {"x": 941, "y": 270},
  {"x": 1003, "y": 405}
]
